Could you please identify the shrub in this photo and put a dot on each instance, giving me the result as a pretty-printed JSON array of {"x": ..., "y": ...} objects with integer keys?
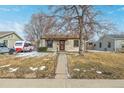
[
  {"x": 42, "y": 49},
  {"x": 121, "y": 50}
]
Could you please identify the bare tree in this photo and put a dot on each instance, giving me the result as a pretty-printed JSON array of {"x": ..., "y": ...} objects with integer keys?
[
  {"x": 81, "y": 18},
  {"x": 39, "y": 25}
]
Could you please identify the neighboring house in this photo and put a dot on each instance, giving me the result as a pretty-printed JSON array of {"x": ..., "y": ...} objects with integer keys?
[
  {"x": 110, "y": 43},
  {"x": 9, "y": 38},
  {"x": 60, "y": 42}
]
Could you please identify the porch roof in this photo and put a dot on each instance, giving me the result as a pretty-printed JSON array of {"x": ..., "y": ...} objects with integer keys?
[{"x": 60, "y": 37}]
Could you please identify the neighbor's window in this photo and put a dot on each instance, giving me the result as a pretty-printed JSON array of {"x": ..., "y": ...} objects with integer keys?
[
  {"x": 2, "y": 45},
  {"x": 50, "y": 43},
  {"x": 5, "y": 42},
  {"x": 109, "y": 44},
  {"x": 122, "y": 45},
  {"x": 100, "y": 45},
  {"x": 76, "y": 43}
]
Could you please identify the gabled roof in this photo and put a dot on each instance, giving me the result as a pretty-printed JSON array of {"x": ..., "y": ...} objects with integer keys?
[
  {"x": 118, "y": 36},
  {"x": 61, "y": 36},
  {"x": 6, "y": 33},
  {"x": 2, "y": 33}
]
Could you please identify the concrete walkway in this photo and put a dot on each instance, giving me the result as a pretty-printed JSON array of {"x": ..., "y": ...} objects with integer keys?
[
  {"x": 60, "y": 83},
  {"x": 62, "y": 70}
]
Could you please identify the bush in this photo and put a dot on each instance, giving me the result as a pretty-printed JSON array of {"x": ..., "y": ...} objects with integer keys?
[
  {"x": 42, "y": 49},
  {"x": 121, "y": 50}
]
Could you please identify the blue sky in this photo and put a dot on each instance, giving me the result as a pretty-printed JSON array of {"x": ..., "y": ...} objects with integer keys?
[{"x": 13, "y": 17}]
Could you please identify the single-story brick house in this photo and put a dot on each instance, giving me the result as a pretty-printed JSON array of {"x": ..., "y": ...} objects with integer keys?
[
  {"x": 64, "y": 42},
  {"x": 9, "y": 38},
  {"x": 61, "y": 42},
  {"x": 110, "y": 43}
]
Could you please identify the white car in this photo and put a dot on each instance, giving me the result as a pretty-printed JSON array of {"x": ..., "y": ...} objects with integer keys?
[
  {"x": 5, "y": 49},
  {"x": 23, "y": 46}
]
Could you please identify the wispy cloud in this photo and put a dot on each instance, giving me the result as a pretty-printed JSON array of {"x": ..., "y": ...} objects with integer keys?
[
  {"x": 13, "y": 26},
  {"x": 120, "y": 9},
  {"x": 116, "y": 10}
]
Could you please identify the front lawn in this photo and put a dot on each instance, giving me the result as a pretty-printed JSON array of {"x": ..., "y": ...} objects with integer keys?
[
  {"x": 33, "y": 67},
  {"x": 96, "y": 66}
]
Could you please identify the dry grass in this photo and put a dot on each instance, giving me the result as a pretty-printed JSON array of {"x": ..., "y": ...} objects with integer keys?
[
  {"x": 110, "y": 64},
  {"x": 24, "y": 65}
]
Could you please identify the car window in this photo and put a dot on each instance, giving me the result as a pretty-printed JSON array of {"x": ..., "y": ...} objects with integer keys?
[
  {"x": 18, "y": 44},
  {"x": 2, "y": 45},
  {"x": 26, "y": 45}
]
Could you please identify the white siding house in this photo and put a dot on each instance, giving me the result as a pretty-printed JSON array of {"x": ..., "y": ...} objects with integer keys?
[
  {"x": 9, "y": 38},
  {"x": 110, "y": 43}
]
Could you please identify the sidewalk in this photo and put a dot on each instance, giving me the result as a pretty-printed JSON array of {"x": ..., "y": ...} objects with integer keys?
[
  {"x": 60, "y": 83},
  {"x": 61, "y": 70}
]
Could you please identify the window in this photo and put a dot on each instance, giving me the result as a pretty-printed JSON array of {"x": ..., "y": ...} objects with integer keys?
[
  {"x": 122, "y": 45},
  {"x": 2, "y": 45},
  {"x": 5, "y": 42},
  {"x": 100, "y": 45},
  {"x": 49, "y": 43},
  {"x": 90, "y": 43},
  {"x": 18, "y": 44},
  {"x": 109, "y": 44},
  {"x": 94, "y": 45},
  {"x": 26, "y": 45},
  {"x": 76, "y": 43}
]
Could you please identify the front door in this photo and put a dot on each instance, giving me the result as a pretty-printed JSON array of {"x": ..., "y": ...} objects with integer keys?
[{"x": 62, "y": 45}]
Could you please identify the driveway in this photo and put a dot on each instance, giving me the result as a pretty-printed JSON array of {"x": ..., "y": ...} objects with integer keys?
[{"x": 33, "y": 54}]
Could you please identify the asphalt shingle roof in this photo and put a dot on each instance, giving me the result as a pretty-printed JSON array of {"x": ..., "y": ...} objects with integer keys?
[
  {"x": 3, "y": 33},
  {"x": 116, "y": 36},
  {"x": 6, "y": 33}
]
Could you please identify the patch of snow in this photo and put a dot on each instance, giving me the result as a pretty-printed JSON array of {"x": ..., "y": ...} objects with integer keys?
[
  {"x": 31, "y": 54},
  {"x": 68, "y": 75},
  {"x": 99, "y": 72},
  {"x": 95, "y": 51},
  {"x": 76, "y": 54},
  {"x": 76, "y": 69},
  {"x": 92, "y": 69},
  {"x": 4, "y": 66},
  {"x": 45, "y": 59},
  {"x": 33, "y": 68},
  {"x": 42, "y": 67},
  {"x": 54, "y": 53},
  {"x": 84, "y": 70},
  {"x": 13, "y": 69}
]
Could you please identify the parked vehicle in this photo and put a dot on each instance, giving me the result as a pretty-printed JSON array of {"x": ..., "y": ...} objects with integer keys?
[
  {"x": 23, "y": 46},
  {"x": 5, "y": 49}
]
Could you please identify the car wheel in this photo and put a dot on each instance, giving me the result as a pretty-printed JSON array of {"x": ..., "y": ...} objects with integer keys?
[{"x": 11, "y": 51}]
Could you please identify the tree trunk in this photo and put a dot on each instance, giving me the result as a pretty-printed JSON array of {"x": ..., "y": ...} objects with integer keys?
[
  {"x": 37, "y": 44},
  {"x": 81, "y": 36}
]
